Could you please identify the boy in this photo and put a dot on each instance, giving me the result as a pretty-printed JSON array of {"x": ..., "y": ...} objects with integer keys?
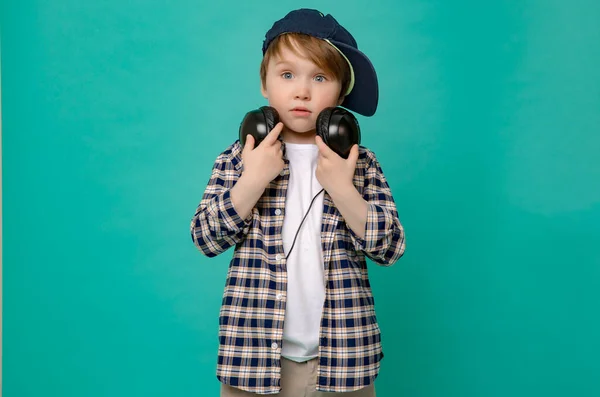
[{"x": 301, "y": 321}]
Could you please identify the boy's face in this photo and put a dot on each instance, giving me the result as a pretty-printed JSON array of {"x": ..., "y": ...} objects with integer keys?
[{"x": 299, "y": 90}]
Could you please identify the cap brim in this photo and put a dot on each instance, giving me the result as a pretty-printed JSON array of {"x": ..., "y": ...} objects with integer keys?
[{"x": 364, "y": 97}]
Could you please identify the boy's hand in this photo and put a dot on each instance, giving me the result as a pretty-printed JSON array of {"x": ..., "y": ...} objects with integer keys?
[
  {"x": 263, "y": 164},
  {"x": 335, "y": 173}
]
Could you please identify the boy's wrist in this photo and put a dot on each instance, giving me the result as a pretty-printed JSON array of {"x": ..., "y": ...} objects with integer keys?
[
  {"x": 342, "y": 190},
  {"x": 245, "y": 194},
  {"x": 253, "y": 182}
]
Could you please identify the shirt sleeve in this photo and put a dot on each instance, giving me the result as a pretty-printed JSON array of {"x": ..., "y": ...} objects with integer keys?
[
  {"x": 216, "y": 225},
  {"x": 384, "y": 239}
]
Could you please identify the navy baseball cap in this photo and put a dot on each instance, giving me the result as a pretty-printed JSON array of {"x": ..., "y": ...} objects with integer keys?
[{"x": 363, "y": 94}]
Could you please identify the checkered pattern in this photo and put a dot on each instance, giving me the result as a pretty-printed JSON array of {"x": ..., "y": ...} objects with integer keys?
[{"x": 253, "y": 307}]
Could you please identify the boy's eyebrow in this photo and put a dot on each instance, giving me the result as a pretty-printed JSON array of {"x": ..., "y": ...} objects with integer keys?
[{"x": 289, "y": 63}]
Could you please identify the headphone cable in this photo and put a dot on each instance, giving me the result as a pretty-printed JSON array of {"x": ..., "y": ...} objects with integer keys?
[{"x": 298, "y": 230}]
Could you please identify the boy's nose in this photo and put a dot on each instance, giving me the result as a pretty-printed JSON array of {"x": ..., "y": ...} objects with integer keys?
[{"x": 302, "y": 91}]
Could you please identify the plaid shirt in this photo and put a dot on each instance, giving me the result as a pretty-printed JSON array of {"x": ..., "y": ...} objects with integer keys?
[{"x": 253, "y": 308}]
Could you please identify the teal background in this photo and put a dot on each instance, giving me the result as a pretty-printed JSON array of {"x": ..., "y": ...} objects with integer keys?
[{"x": 488, "y": 132}]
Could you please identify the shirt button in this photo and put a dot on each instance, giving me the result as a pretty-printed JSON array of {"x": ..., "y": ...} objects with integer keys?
[
  {"x": 279, "y": 297},
  {"x": 274, "y": 346},
  {"x": 277, "y": 257},
  {"x": 277, "y": 211},
  {"x": 282, "y": 173}
]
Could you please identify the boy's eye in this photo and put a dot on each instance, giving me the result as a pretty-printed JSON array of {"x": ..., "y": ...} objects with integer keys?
[
  {"x": 287, "y": 75},
  {"x": 320, "y": 78}
]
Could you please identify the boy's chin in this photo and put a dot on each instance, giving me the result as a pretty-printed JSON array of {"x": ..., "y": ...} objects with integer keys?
[
  {"x": 301, "y": 128},
  {"x": 302, "y": 132}
]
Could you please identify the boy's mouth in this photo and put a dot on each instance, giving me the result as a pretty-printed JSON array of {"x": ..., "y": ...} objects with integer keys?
[{"x": 301, "y": 111}]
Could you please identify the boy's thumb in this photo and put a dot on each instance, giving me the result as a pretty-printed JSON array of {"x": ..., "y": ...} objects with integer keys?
[
  {"x": 353, "y": 155},
  {"x": 249, "y": 144}
]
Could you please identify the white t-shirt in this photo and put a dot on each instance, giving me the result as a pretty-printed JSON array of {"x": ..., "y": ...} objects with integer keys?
[{"x": 306, "y": 285}]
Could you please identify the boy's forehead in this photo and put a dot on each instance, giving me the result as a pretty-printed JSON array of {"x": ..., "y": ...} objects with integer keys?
[{"x": 288, "y": 57}]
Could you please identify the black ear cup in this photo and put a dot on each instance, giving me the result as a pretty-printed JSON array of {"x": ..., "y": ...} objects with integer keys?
[
  {"x": 323, "y": 124},
  {"x": 271, "y": 116},
  {"x": 339, "y": 130},
  {"x": 258, "y": 123},
  {"x": 337, "y": 127}
]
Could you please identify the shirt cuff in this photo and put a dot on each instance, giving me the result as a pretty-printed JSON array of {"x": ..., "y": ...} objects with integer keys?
[
  {"x": 227, "y": 217},
  {"x": 376, "y": 227}
]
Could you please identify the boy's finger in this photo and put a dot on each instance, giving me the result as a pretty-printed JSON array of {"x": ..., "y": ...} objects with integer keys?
[
  {"x": 271, "y": 138},
  {"x": 323, "y": 148}
]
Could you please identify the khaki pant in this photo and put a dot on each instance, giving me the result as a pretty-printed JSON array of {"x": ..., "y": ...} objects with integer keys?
[{"x": 298, "y": 380}]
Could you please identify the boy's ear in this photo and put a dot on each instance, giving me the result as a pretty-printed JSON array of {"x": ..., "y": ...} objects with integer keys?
[
  {"x": 341, "y": 100},
  {"x": 263, "y": 90}
]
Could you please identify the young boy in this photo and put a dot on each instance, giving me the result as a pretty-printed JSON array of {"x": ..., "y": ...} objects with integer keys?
[{"x": 301, "y": 321}]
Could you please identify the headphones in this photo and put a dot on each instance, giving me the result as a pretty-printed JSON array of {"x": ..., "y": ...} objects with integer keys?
[{"x": 337, "y": 127}]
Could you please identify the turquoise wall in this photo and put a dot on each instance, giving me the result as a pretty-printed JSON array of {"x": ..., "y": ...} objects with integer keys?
[{"x": 488, "y": 131}]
